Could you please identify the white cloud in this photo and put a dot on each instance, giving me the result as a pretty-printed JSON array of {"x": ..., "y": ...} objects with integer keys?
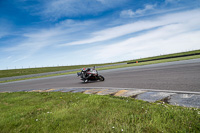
[
  {"x": 127, "y": 13},
  {"x": 180, "y": 33},
  {"x": 147, "y": 7},
  {"x": 5, "y": 27},
  {"x": 122, "y": 30},
  {"x": 171, "y": 1},
  {"x": 135, "y": 48},
  {"x": 161, "y": 41},
  {"x": 34, "y": 41},
  {"x": 130, "y": 13},
  {"x": 102, "y": 1},
  {"x": 20, "y": 59},
  {"x": 55, "y": 9}
]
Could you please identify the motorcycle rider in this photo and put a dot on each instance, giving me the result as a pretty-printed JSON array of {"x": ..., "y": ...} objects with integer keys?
[{"x": 85, "y": 73}]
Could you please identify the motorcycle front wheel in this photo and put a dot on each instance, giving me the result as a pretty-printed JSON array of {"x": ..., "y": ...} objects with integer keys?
[
  {"x": 85, "y": 81},
  {"x": 101, "y": 78}
]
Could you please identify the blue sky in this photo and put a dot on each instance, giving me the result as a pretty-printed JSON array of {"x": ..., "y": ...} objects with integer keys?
[{"x": 40, "y": 33}]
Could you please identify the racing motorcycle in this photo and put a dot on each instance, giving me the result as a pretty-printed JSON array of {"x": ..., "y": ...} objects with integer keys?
[{"x": 90, "y": 74}]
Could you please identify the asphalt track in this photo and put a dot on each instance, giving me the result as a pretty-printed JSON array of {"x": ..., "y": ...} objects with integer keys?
[{"x": 177, "y": 76}]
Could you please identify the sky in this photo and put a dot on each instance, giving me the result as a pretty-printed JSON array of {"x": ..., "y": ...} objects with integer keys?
[{"x": 44, "y": 33}]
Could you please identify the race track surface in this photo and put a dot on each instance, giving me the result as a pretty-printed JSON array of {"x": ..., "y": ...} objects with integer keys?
[{"x": 178, "y": 76}]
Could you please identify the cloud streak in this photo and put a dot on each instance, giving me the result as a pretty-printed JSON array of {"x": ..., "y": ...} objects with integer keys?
[
  {"x": 166, "y": 27},
  {"x": 5, "y": 28},
  {"x": 73, "y": 8},
  {"x": 126, "y": 29},
  {"x": 34, "y": 42},
  {"x": 179, "y": 35},
  {"x": 131, "y": 14}
]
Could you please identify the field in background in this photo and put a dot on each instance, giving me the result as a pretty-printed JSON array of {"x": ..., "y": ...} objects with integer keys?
[
  {"x": 20, "y": 72},
  {"x": 151, "y": 62},
  {"x": 76, "y": 112},
  {"x": 143, "y": 61},
  {"x": 168, "y": 56}
]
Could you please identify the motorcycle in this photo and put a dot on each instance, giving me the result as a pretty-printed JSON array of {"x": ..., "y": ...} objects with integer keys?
[{"x": 90, "y": 74}]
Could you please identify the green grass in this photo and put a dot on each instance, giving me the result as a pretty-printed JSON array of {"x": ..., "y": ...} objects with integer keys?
[
  {"x": 39, "y": 77},
  {"x": 19, "y": 72},
  {"x": 57, "y": 112}
]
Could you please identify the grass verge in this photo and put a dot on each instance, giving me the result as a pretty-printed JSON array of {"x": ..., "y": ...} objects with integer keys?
[
  {"x": 51, "y": 75},
  {"x": 175, "y": 55},
  {"x": 112, "y": 67},
  {"x": 56, "y": 112}
]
